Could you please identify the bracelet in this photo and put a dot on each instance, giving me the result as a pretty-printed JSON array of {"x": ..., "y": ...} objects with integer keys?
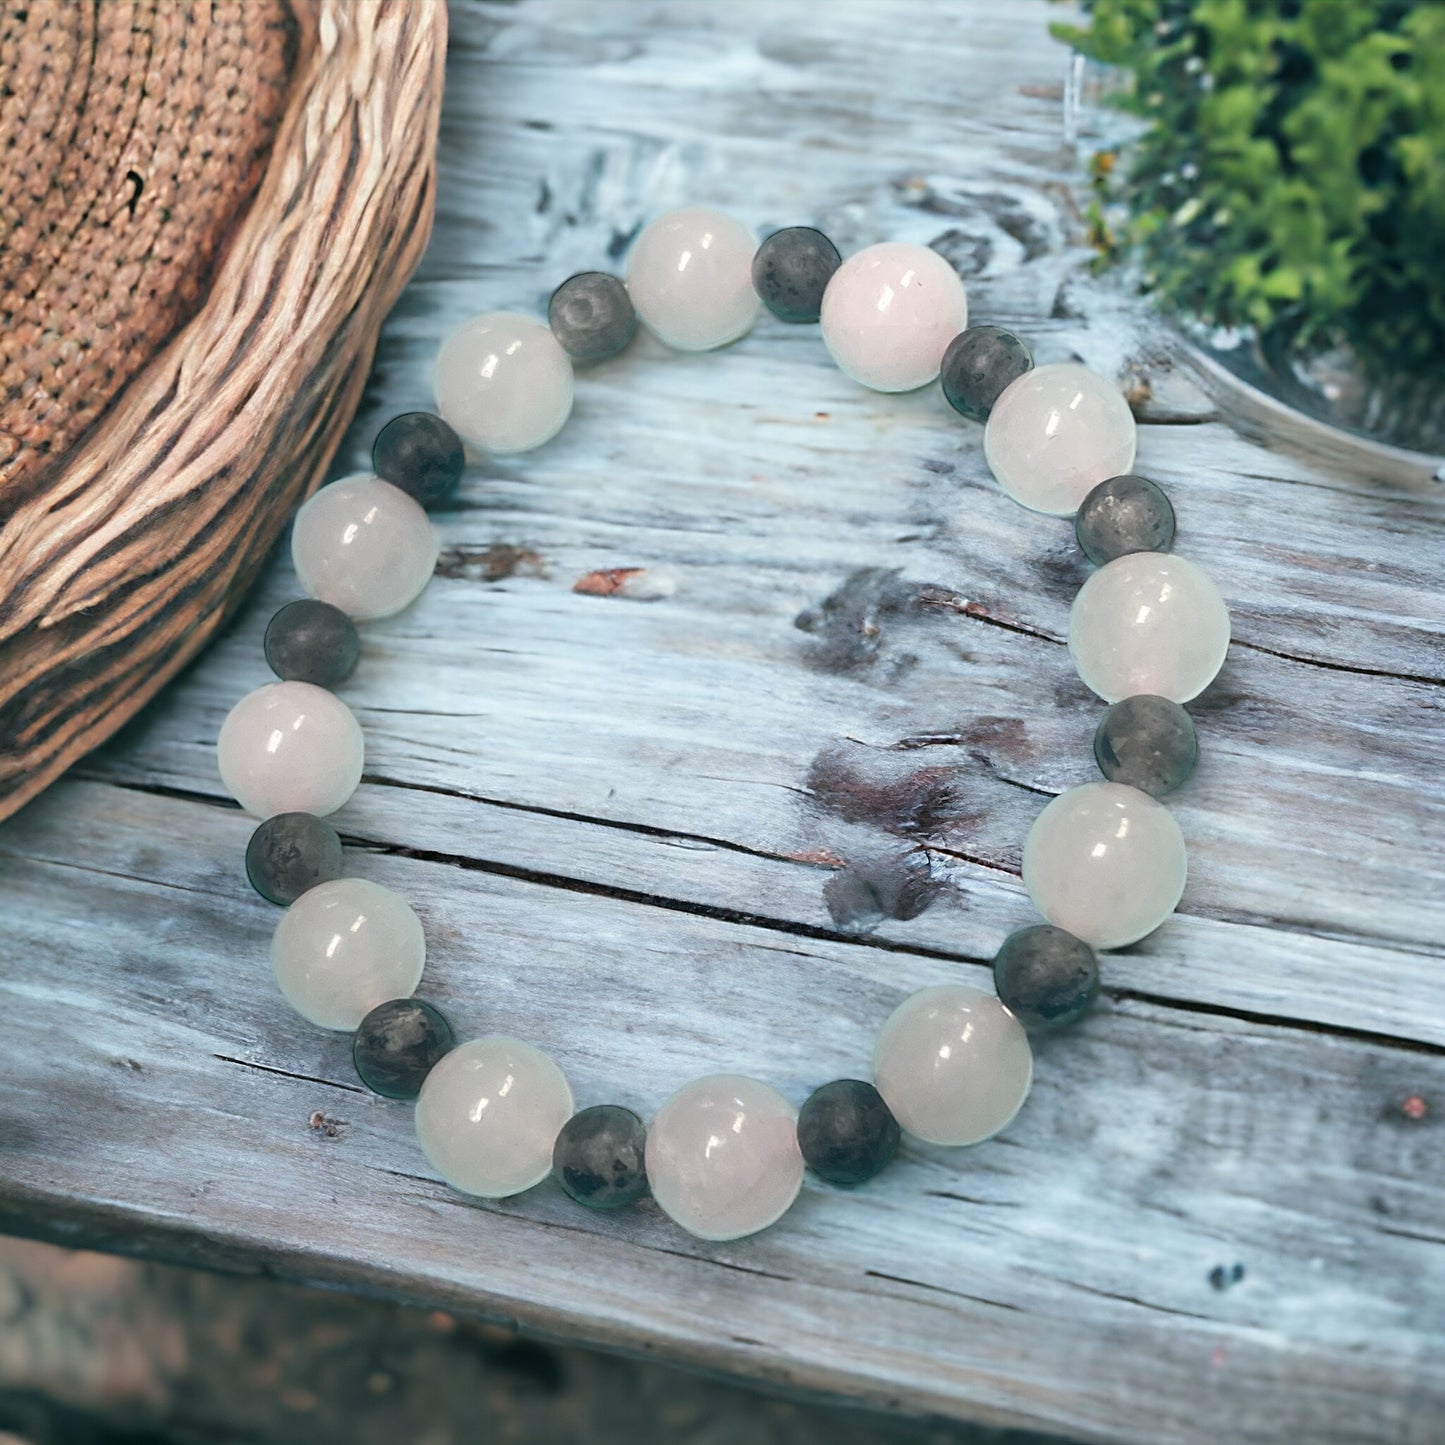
[{"x": 1104, "y": 863}]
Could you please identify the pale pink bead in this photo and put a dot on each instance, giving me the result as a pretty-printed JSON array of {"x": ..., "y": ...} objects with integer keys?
[
  {"x": 290, "y": 747},
  {"x": 723, "y": 1157},
  {"x": 364, "y": 546},
  {"x": 953, "y": 1064},
  {"x": 889, "y": 313}
]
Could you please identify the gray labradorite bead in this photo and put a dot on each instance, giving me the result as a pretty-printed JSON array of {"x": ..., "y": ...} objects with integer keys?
[
  {"x": 1045, "y": 976},
  {"x": 791, "y": 270},
  {"x": 846, "y": 1132},
  {"x": 977, "y": 366},
  {"x": 1147, "y": 742},
  {"x": 310, "y": 641},
  {"x": 599, "y": 1157},
  {"x": 398, "y": 1044},
  {"x": 592, "y": 316},
  {"x": 421, "y": 454},
  {"x": 290, "y": 853},
  {"x": 1125, "y": 514}
]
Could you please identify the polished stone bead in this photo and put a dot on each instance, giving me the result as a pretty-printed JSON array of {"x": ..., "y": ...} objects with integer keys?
[
  {"x": 1105, "y": 862},
  {"x": 592, "y": 315},
  {"x": 791, "y": 271},
  {"x": 1148, "y": 622},
  {"x": 1146, "y": 742},
  {"x": 311, "y": 641},
  {"x": 978, "y": 365},
  {"x": 421, "y": 454},
  {"x": 1122, "y": 515},
  {"x": 290, "y": 853},
  {"x": 398, "y": 1044},
  {"x": 846, "y": 1132},
  {"x": 953, "y": 1064},
  {"x": 1045, "y": 976},
  {"x": 690, "y": 277},
  {"x": 600, "y": 1157},
  {"x": 345, "y": 946}
]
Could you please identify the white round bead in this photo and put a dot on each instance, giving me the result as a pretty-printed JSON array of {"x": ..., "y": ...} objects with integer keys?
[
  {"x": 345, "y": 946},
  {"x": 490, "y": 1112},
  {"x": 690, "y": 276},
  {"x": 1106, "y": 862},
  {"x": 290, "y": 747},
  {"x": 1148, "y": 622},
  {"x": 723, "y": 1157},
  {"x": 503, "y": 382},
  {"x": 1055, "y": 433},
  {"x": 889, "y": 313},
  {"x": 364, "y": 546},
  {"x": 953, "y": 1064}
]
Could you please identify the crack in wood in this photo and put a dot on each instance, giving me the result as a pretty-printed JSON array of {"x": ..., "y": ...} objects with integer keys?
[
  {"x": 289, "y": 1074},
  {"x": 992, "y": 1304}
]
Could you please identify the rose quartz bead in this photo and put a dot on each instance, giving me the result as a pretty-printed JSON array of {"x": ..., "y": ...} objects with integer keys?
[
  {"x": 889, "y": 313},
  {"x": 1148, "y": 622},
  {"x": 1057, "y": 432},
  {"x": 953, "y": 1064},
  {"x": 503, "y": 382},
  {"x": 690, "y": 276},
  {"x": 723, "y": 1157},
  {"x": 290, "y": 747},
  {"x": 1105, "y": 862},
  {"x": 364, "y": 546},
  {"x": 489, "y": 1114}
]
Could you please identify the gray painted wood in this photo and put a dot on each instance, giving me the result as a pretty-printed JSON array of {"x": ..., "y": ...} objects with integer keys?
[{"x": 617, "y": 816}]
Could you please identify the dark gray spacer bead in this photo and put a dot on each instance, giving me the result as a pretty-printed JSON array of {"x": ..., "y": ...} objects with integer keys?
[
  {"x": 398, "y": 1044},
  {"x": 1125, "y": 514},
  {"x": 599, "y": 1157},
  {"x": 978, "y": 365},
  {"x": 421, "y": 454},
  {"x": 791, "y": 270},
  {"x": 592, "y": 316},
  {"x": 1147, "y": 742},
  {"x": 846, "y": 1132},
  {"x": 290, "y": 853},
  {"x": 311, "y": 641},
  {"x": 1045, "y": 976}
]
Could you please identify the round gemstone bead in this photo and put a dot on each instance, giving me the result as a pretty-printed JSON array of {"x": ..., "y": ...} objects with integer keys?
[
  {"x": 290, "y": 853},
  {"x": 1045, "y": 977},
  {"x": 1105, "y": 862},
  {"x": 489, "y": 1113},
  {"x": 290, "y": 747},
  {"x": 1122, "y": 515},
  {"x": 311, "y": 641},
  {"x": 504, "y": 382},
  {"x": 600, "y": 1157},
  {"x": 723, "y": 1157},
  {"x": 1148, "y": 622},
  {"x": 421, "y": 454},
  {"x": 345, "y": 946},
  {"x": 690, "y": 277},
  {"x": 978, "y": 365},
  {"x": 398, "y": 1044},
  {"x": 592, "y": 315},
  {"x": 846, "y": 1132},
  {"x": 889, "y": 313},
  {"x": 364, "y": 546},
  {"x": 1148, "y": 743},
  {"x": 953, "y": 1064},
  {"x": 791, "y": 271},
  {"x": 1055, "y": 434}
]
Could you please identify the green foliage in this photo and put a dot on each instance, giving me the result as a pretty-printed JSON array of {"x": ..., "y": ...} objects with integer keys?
[{"x": 1293, "y": 173}]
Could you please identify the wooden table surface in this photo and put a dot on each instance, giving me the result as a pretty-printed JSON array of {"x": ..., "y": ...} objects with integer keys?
[{"x": 1221, "y": 1214}]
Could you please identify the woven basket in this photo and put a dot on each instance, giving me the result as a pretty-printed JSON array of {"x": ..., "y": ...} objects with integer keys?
[{"x": 208, "y": 208}]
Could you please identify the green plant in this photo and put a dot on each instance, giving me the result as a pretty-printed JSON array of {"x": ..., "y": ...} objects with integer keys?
[{"x": 1292, "y": 175}]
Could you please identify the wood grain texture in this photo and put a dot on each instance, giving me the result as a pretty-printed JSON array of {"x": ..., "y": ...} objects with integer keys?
[{"x": 1220, "y": 1215}]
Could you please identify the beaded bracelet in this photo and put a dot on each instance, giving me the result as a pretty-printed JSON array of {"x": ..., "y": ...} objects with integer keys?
[{"x": 1104, "y": 863}]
